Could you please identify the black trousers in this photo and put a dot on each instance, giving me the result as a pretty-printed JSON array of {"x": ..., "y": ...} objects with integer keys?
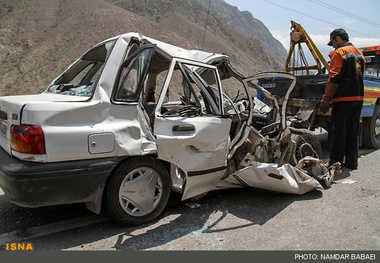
[{"x": 345, "y": 120}]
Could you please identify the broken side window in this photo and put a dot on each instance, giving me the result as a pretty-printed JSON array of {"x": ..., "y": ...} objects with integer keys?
[
  {"x": 133, "y": 74},
  {"x": 236, "y": 103},
  {"x": 190, "y": 95}
]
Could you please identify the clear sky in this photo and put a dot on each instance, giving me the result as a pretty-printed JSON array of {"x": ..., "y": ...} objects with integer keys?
[{"x": 361, "y": 19}]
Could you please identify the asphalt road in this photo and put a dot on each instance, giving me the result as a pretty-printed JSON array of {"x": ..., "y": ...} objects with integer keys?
[{"x": 345, "y": 217}]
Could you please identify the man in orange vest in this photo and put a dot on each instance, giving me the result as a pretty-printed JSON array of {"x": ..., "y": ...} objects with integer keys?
[{"x": 345, "y": 89}]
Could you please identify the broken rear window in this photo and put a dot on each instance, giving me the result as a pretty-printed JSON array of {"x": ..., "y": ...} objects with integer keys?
[{"x": 81, "y": 77}]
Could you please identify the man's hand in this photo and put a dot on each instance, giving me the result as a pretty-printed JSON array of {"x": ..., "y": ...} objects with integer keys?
[
  {"x": 329, "y": 93},
  {"x": 325, "y": 105}
]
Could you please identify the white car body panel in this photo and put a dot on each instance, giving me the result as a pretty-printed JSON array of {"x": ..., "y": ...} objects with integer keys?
[{"x": 202, "y": 149}]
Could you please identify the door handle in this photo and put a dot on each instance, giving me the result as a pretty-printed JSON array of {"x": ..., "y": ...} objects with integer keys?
[{"x": 184, "y": 128}]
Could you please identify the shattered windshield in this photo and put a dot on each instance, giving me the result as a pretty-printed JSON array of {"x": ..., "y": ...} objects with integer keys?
[{"x": 81, "y": 77}]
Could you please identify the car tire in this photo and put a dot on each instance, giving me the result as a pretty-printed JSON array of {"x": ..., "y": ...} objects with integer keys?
[
  {"x": 371, "y": 130},
  {"x": 137, "y": 191},
  {"x": 306, "y": 144}
]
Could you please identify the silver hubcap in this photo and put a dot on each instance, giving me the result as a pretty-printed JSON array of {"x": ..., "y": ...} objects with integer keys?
[{"x": 140, "y": 192}]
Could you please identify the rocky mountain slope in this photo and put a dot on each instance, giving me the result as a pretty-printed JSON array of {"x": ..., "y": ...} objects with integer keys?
[
  {"x": 39, "y": 39},
  {"x": 245, "y": 23}
]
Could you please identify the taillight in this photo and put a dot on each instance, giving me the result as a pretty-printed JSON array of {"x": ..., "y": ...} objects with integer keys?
[{"x": 27, "y": 139}]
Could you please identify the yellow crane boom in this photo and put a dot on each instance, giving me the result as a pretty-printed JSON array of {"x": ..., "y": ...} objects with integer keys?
[{"x": 298, "y": 36}]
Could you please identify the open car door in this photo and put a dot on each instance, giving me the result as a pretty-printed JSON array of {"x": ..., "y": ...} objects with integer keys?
[{"x": 191, "y": 131}]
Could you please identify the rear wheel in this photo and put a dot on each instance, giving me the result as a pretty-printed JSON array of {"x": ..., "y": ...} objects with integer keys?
[
  {"x": 307, "y": 144},
  {"x": 137, "y": 191},
  {"x": 371, "y": 130}
]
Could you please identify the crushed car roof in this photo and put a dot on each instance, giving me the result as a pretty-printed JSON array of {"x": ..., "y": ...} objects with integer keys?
[{"x": 172, "y": 50}]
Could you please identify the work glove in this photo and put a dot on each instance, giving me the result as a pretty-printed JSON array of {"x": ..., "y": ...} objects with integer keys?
[
  {"x": 329, "y": 93},
  {"x": 325, "y": 105}
]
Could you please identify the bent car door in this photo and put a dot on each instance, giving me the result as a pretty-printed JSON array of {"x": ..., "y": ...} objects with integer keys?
[{"x": 190, "y": 129}]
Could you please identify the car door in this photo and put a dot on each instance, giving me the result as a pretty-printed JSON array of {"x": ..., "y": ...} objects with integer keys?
[{"x": 191, "y": 131}]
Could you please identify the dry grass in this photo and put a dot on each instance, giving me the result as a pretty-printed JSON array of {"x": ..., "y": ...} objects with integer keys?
[{"x": 39, "y": 39}]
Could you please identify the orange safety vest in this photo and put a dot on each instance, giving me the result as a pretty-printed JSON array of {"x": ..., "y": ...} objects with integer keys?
[{"x": 346, "y": 69}]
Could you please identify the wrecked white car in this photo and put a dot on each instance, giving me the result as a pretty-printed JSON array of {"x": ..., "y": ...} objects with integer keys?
[{"x": 134, "y": 119}]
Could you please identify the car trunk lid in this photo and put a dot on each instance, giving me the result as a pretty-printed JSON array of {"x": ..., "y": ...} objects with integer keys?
[{"x": 11, "y": 111}]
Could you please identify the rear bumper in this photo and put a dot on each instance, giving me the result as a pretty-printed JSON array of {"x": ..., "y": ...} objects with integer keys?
[{"x": 41, "y": 184}]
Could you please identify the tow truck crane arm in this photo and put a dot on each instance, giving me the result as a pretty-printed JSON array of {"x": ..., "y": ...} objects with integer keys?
[{"x": 298, "y": 36}]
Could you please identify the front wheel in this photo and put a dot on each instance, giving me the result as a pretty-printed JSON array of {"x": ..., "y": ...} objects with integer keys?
[
  {"x": 371, "y": 130},
  {"x": 306, "y": 144},
  {"x": 137, "y": 191}
]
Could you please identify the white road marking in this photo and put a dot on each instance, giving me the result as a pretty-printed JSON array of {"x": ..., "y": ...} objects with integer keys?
[{"x": 39, "y": 231}]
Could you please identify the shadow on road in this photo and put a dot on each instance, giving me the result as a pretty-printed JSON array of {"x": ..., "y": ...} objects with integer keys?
[
  {"x": 323, "y": 139},
  {"x": 247, "y": 207},
  {"x": 14, "y": 218},
  {"x": 217, "y": 212}
]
